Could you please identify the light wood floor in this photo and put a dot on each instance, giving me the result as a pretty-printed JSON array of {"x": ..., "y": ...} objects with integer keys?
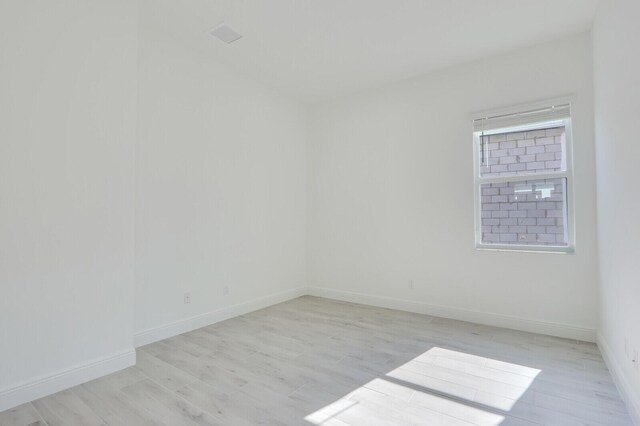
[{"x": 316, "y": 361}]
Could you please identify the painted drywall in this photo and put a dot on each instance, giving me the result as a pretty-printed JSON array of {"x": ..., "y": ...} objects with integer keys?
[
  {"x": 67, "y": 143},
  {"x": 390, "y": 208},
  {"x": 220, "y": 189},
  {"x": 316, "y": 50},
  {"x": 617, "y": 103}
]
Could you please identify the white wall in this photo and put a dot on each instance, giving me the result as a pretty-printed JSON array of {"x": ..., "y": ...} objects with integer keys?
[
  {"x": 220, "y": 190},
  {"x": 67, "y": 140},
  {"x": 390, "y": 197},
  {"x": 219, "y": 198},
  {"x": 222, "y": 171},
  {"x": 617, "y": 105}
]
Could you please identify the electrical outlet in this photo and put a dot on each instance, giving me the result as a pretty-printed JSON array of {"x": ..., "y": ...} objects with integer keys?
[
  {"x": 225, "y": 290},
  {"x": 187, "y": 298}
]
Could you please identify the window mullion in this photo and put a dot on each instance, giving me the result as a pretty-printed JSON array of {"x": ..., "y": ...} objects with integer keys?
[{"x": 521, "y": 178}]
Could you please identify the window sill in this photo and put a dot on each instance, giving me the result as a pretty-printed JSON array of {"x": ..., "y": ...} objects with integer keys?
[{"x": 526, "y": 248}]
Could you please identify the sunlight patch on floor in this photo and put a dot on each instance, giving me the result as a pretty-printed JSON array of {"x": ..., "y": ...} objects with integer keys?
[
  {"x": 329, "y": 412},
  {"x": 435, "y": 386},
  {"x": 490, "y": 382}
]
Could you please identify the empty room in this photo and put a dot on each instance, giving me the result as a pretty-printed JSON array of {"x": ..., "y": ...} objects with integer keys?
[{"x": 305, "y": 212}]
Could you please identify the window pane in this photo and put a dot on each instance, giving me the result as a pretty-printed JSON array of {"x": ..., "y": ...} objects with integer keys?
[
  {"x": 517, "y": 153},
  {"x": 532, "y": 212}
]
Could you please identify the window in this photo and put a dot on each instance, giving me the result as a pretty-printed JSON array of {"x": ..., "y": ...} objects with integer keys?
[{"x": 523, "y": 180}]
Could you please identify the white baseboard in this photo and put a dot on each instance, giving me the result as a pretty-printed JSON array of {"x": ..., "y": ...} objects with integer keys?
[
  {"x": 524, "y": 324},
  {"x": 624, "y": 387},
  {"x": 64, "y": 379},
  {"x": 60, "y": 380},
  {"x": 188, "y": 324}
]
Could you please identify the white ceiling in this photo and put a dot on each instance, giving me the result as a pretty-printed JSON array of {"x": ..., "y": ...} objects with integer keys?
[{"x": 318, "y": 49}]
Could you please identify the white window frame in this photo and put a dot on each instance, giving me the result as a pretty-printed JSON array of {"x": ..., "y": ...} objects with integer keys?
[{"x": 568, "y": 175}]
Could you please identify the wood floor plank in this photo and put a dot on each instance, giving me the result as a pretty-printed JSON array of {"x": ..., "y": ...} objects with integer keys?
[
  {"x": 162, "y": 372},
  {"x": 314, "y": 361},
  {"x": 234, "y": 409},
  {"x": 105, "y": 398},
  {"x": 66, "y": 409},
  {"x": 22, "y": 415},
  {"x": 166, "y": 407}
]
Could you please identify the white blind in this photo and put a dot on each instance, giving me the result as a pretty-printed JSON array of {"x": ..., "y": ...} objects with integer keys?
[{"x": 539, "y": 115}]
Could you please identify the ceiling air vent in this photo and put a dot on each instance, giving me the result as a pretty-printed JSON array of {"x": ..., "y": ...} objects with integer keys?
[{"x": 225, "y": 33}]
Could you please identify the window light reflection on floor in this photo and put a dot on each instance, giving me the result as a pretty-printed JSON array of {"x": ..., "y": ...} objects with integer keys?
[{"x": 434, "y": 386}]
